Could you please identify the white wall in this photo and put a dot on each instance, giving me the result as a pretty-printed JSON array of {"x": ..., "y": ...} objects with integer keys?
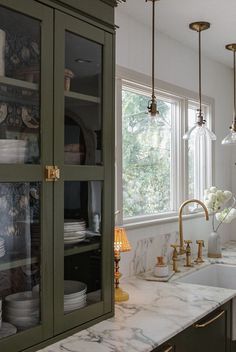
[{"x": 177, "y": 64}]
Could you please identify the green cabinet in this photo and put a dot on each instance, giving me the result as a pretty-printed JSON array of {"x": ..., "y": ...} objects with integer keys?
[
  {"x": 56, "y": 170},
  {"x": 212, "y": 333}
]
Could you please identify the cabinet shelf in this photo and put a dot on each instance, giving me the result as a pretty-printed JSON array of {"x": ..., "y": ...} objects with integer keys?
[
  {"x": 18, "y": 83},
  {"x": 82, "y": 248},
  {"x": 7, "y": 264},
  {"x": 83, "y": 97},
  {"x": 18, "y": 92}
]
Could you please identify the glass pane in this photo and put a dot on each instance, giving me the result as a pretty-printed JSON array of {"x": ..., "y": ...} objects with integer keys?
[
  {"x": 147, "y": 176},
  {"x": 19, "y": 257},
  {"x": 83, "y": 91},
  {"x": 19, "y": 88},
  {"x": 82, "y": 239},
  {"x": 199, "y": 160}
]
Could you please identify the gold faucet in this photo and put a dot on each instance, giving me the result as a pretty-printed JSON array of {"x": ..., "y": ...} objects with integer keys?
[{"x": 182, "y": 250}]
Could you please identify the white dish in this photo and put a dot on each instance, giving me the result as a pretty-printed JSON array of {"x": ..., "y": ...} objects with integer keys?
[
  {"x": 21, "y": 312},
  {"x": 68, "y": 238},
  {"x": 74, "y": 241},
  {"x": 71, "y": 302},
  {"x": 11, "y": 159},
  {"x": 22, "y": 299},
  {"x": 7, "y": 330},
  {"x": 74, "y": 287},
  {"x": 73, "y": 229},
  {"x": 74, "y": 234}
]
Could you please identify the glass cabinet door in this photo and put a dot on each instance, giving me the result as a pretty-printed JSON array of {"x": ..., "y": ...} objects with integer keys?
[
  {"x": 24, "y": 196},
  {"x": 83, "y": 151},
  {"x": 83, "y": 107},
  {"x": 20, "y": 62}
]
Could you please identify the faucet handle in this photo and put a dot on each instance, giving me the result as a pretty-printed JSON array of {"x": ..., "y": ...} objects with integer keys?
[
  {"x": 199, "y": 259},
  {"x": 175, "y": 246},
  {"x": 175, "y": 257},
  {"x": 188, "y": 242},
  {"x": 188, "y": 253}
]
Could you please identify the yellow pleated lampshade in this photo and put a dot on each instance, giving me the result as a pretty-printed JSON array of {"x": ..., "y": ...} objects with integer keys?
[{"x": 121, "y": 242}]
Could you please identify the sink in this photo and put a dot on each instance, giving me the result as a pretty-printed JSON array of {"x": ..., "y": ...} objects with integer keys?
[{"x": 216, "y": 275}]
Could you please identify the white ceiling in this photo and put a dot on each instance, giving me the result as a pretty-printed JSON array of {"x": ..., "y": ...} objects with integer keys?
[{"x": 173, "y": 18}]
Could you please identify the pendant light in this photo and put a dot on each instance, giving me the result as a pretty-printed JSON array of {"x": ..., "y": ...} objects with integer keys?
[
  {"x": 199, "y": 130},
  {"x": 152, "y": 104},
  {"x": 230, "y": 139}
]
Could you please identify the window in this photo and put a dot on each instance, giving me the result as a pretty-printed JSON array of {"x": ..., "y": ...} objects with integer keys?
[
  {"x": 156, "y": 168},
  {"x": 147, "y": 156}
]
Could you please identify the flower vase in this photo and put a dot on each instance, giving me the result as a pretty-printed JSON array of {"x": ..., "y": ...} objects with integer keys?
[{"x": 214, "y": 245}]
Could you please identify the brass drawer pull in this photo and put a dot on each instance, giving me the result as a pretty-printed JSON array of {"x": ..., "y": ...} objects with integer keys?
[
  {"x": 168, "y": 349},
  {"x": 204, "y": 325}
]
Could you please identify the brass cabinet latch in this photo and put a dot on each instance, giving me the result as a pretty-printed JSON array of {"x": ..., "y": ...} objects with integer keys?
[{"x": 52, "y": 173}]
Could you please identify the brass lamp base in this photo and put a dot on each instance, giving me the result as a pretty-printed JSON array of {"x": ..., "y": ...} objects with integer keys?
[{"x": 120, "y": 295}]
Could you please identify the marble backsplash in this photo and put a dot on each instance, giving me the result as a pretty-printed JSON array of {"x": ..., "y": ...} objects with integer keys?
[{"x": 142, "y": 258}]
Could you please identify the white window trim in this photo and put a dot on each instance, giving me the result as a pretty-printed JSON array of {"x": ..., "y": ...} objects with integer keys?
[{"x": 182, "y": 95}]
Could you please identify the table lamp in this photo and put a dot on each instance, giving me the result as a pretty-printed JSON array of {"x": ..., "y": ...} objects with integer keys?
[{"x": 121, "y": 244}]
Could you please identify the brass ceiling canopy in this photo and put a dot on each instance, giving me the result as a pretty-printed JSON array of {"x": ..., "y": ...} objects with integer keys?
[
  {"x": 199, "y": 26},
  {"x": 231, "y": 47}
]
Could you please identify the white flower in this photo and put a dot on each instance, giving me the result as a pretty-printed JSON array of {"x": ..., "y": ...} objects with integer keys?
[
  {"x": 220, "y": 196},
  {"x": 212, "y": 197},
  {"x": 228, "y": 195},
  {"x": 213, "y": 189}
]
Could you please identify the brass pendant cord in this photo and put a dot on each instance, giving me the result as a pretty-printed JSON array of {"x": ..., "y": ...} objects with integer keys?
[
  {"x": 234, "y": 90},
  {"x": 200, "y": 72},
  {"x": 153, "y": 48}
]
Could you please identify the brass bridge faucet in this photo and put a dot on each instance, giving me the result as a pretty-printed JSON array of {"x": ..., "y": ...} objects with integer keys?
[{"x": 182, "y": 250}]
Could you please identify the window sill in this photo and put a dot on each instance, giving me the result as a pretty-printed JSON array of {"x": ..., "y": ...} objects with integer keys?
[{"x": 160, "y": 221}]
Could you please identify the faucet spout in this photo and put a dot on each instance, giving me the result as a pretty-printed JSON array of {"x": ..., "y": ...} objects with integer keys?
[{"x": 181, "y": 237}]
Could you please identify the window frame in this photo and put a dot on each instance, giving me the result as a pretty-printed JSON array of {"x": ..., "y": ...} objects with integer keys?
[{"x": 136, "y": 81}]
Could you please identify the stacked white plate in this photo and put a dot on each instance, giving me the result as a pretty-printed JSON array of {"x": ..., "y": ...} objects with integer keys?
[
  {"x": 7, "y": 330},
  {"x": 22, "y": 310},
  {"x": 12, "y": 151},
  {"x": 74, "y": 295},
  {"x": 74, "y": 231},
  {"x": 2, "y": 247}
]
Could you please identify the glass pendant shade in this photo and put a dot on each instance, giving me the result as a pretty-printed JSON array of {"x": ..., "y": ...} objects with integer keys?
[
  {"x": 230, "y": 139},
  {"x": 199, "y": 131}
]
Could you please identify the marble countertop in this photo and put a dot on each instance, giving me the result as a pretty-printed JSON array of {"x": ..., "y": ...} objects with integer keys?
[{"x": 154, "y": 313}]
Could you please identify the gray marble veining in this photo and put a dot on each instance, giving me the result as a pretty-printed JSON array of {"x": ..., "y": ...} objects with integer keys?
[{"x": 154, "y": 313}]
